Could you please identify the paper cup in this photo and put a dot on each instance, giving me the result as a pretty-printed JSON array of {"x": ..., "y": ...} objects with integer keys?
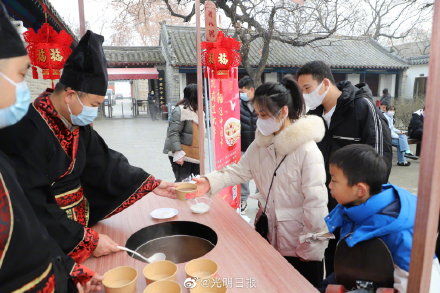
[
  {"x": 184, "y": 189},
  {"x": 120, "y": 280},
  {"x": 160, "y": 270},
  {"x": 209, "y": 286},
  {"x": 166, "y": 286},
  {"x": 201, "y": 268}
]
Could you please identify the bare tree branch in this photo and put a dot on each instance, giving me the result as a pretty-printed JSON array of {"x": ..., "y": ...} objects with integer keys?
[
  {"x": 264, "y": 21},
  {"x": 186, "y": 18}
]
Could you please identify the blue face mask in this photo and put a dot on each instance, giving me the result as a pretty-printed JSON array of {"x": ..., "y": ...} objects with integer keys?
[
  {"x": 244, "y": 97},
  {"x": 12, "y": 114},
  {"x": 86, "y": 117}
]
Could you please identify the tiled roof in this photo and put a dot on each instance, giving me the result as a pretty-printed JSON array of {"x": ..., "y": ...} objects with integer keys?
[
  {"x": 125, "y": 56},
  {"x": 419, "y": 60},
  {"x": 60, "y": 23},
  {"x": 416, "y": 53},
  {"x": 338, "y": 52}
]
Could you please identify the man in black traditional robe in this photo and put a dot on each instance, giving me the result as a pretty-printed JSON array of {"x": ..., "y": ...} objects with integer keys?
[
  {"x": 71, "y": 177},
  {"x": 30, "y": 260}
]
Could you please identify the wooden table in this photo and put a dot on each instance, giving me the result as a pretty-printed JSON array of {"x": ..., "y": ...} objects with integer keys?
[{"x": 245, "y": 259}]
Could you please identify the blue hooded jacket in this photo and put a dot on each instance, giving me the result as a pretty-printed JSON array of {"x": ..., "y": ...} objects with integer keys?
[{"x": 389, "y": 215}]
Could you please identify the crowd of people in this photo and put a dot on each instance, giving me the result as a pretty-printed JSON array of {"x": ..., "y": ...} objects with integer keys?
[{"x": 320, "y": 153}]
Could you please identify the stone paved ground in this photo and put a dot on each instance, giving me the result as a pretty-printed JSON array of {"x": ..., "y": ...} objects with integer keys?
[{"x": 141, "y": 141}]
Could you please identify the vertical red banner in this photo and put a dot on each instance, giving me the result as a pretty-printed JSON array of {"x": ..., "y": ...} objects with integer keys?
[{"x": 225, "y": 121}]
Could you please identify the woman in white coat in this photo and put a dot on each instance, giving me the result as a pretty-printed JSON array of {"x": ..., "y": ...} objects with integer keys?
[{"x": 297, "y": 201}]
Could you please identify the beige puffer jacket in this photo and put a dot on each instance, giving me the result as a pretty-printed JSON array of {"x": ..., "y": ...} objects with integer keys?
[{"x": 298, "y": 200}]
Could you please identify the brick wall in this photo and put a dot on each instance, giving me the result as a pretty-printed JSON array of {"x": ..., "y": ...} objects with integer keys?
[{"x": 37, "y": 86}]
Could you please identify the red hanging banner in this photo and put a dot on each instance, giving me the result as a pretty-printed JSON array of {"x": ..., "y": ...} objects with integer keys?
[{"x": 225, "y": 120}]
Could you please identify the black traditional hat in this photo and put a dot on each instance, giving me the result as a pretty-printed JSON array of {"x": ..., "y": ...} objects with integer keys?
[
  {"x": 86, "y": 68},
  {"x": 11, "y": 44}
]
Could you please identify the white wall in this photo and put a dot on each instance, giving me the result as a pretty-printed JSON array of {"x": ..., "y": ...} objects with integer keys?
[
  {"x": 182, "y": 81},
  {"x": 409, "y": 77},
  {"x": 387, "y": 81},
  {"x": 354, "y": 78},
  {"x": 271, "y": 77}
]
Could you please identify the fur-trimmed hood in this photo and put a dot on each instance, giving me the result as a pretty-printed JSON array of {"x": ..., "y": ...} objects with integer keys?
[
  {"x": 303, "y": 130},
  {"x": 188, "y": 115}
]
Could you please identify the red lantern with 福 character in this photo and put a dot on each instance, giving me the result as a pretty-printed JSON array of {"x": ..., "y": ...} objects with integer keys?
[
  {"x": 221, "y": 55},
  {"x": 48, "y": 50}
]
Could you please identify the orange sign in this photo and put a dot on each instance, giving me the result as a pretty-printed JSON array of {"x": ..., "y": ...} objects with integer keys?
[{"x": 210, "y": 21}]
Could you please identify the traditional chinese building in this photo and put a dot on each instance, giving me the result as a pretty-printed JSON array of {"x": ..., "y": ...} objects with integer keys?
[
  {"x": 144, "y": 67},
  {"x": 359, "y": 59},
  {"x": 168, "y": 68},
  {"x": 416, "y": 77}
]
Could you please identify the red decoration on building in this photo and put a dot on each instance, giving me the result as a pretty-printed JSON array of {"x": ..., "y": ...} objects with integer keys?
[
  {"x": 221, "y": 55},
  {"x": 48, "y": 49}
]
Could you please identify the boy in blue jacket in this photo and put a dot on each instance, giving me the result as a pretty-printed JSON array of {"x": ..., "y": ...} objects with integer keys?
[{"x": 368, "y": 208}]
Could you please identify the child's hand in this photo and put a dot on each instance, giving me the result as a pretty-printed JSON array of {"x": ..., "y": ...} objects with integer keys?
[{"x": 203, "y": 186}]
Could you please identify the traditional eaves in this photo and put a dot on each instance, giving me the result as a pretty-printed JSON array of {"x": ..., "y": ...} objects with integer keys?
[
  {"x": 31, "y": 12},
  {"x": 416, "y": 53},
  {"x": 133, "y": 56},
  {"x": 338, "y": 52}
]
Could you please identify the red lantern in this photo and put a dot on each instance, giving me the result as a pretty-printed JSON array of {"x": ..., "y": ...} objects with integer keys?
[
  {"x": 48, "y": 49},
  {"x": 221, "y": 55}
]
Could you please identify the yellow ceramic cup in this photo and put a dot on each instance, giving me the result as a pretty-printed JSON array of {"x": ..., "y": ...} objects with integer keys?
[
  {"x": 165, "y": 286},
  {"x": 209, "y": 286},
  {"x": 184, "y": 189},
  {"x": 201, "y": 268},
  {"x": 160, "y": 270},
  {"x": 120, "y": 280}
]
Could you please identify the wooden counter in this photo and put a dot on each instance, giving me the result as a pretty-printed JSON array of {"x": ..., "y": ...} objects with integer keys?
[{"x": 242, "y": 255}]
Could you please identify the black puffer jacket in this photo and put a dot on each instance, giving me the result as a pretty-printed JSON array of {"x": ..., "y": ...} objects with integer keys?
[
  {"x": 355, "y": 120},
  {"x": 248, "y": 125},
  {"x": 415, "y": 128}
]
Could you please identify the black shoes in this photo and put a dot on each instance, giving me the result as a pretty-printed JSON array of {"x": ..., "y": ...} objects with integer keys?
[
  {"x": 406, "y": 164},
  {"x": 411, "y": 156}
]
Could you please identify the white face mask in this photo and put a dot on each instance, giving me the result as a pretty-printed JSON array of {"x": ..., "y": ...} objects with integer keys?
[
  {"x": 390, "y": 113},
  {"x": 314, "y": 99},
  {"x": 270, "y": 125}
]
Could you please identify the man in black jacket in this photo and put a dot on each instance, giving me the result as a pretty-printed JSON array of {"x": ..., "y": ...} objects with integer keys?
[
  {"x": 415, "y": 128},
  {"x": 350, "y": 117},
  {"x": 248, "y": 120}
]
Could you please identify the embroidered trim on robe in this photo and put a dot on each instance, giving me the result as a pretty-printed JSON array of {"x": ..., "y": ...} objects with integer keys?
[
  {"x": 47, "y": 278},
  {"x": 146, "y": 187},
  {"x": 6, "y": 220},
  {"x": 81, "y": 274},
  {"x": 86, "y": 246},
  {"x": 75, "y": 204},
  {"x": 68, "y": 139}
]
